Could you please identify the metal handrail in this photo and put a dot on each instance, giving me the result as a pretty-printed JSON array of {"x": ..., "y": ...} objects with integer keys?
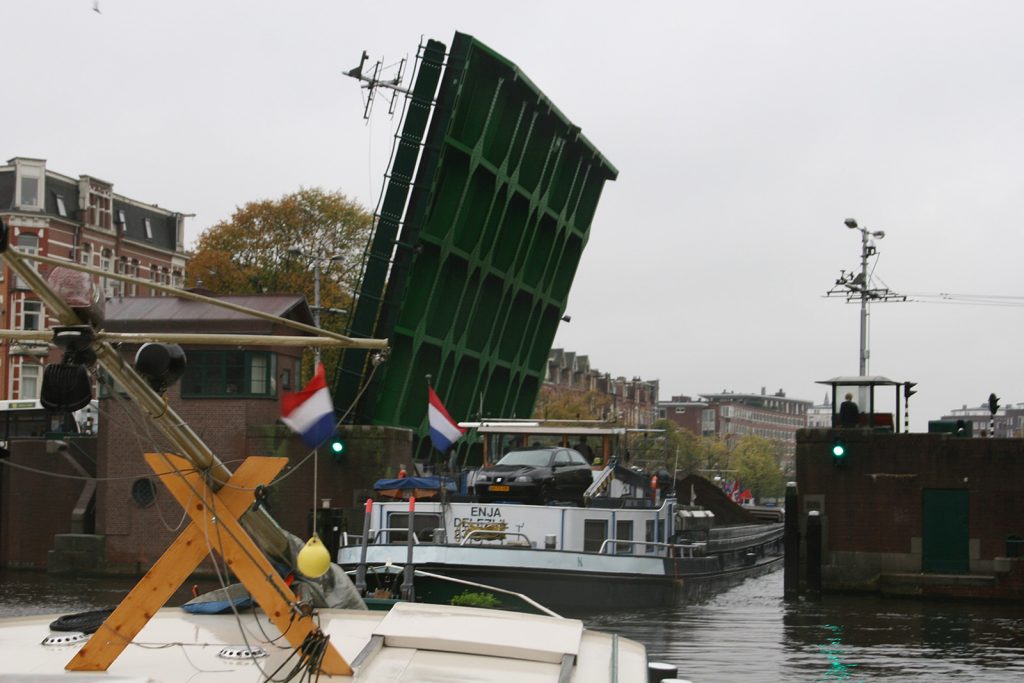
[
  {"x": 688, "y": 548},
  {"x": 397, "y": 569},
  {"x": 376, "y": 533}
]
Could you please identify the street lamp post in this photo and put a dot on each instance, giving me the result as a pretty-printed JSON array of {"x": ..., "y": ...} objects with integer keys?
[
  {"x": 316, "y": 259},
  {"x": 866, "y": 250}
]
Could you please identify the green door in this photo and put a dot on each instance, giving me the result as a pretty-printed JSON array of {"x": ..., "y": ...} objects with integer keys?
[{"x": 945, "y": 544}]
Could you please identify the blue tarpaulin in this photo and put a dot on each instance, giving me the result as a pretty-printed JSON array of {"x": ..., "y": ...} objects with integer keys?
[{"x": 413, "y": 483}]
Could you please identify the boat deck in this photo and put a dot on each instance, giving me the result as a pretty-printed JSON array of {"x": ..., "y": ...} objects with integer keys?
[{"x": 412, "y": 642}]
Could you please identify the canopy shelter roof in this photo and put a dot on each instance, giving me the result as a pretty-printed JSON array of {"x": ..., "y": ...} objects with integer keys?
[
  {"x": 860, "y": 381},
  {"x": 869, "y": 418}
]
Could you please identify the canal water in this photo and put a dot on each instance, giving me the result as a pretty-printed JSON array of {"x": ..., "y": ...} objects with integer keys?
[{"x": 748, "y": 633}]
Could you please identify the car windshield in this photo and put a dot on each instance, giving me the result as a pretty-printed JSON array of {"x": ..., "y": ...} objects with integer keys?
[{"x": 541, "y": 458}]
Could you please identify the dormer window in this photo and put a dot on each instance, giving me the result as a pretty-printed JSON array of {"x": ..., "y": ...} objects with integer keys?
[
  {"x": 62, "y": 210},
  {"x": 149, "y": 230},
  {"x": 31, "y": 183},
  {"x": 122, "y": 220}
]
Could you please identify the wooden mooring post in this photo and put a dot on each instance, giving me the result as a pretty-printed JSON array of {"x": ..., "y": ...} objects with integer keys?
[
  {"x": 791, "y": 543},
  {"x": 813, "y": 571}
]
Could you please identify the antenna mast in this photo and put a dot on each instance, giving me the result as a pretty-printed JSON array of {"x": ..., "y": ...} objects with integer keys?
[
  {"x": 373, "y": 81},
  {"x": 858, "y": 286}
]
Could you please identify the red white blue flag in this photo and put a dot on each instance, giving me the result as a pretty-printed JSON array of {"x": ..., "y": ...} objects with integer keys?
[
  {"x": 310, "y": 412},
  {"x": 444, "y": 431}
]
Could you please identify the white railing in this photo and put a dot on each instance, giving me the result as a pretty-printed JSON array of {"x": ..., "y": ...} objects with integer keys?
[{"x": 687, "y": 549}]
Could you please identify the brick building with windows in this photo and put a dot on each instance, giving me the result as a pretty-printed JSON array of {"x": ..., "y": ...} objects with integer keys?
[
  {"x": 229, "y": 396},
  {"x": 774, "y": 417},
  {"x": 631, "y": 402},
  {"x": 79, "y": 219},
  {"x": 687, "y": 413}
]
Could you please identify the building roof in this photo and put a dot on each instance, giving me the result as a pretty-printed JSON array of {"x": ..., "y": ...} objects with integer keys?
[
  {"x": 728, "y": 396},
  {"x": 163, "y": 224},
  {"x": 168, "y": 313}
]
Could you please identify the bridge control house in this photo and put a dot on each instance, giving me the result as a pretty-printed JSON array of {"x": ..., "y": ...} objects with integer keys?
[{"x": 931, "y": 515}]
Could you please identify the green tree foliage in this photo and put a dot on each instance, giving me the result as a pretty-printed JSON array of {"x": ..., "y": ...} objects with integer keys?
[
  {"x": 249, "y": 253},
  {"x": 672, "y": 448},
  {"x": 755, "y": 465}
]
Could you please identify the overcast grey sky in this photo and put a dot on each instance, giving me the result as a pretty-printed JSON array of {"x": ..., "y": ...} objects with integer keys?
[{"x": 744, "y": 133}]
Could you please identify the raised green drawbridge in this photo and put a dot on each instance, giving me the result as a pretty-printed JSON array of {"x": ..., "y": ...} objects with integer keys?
[{"x": 481, "y": 227}]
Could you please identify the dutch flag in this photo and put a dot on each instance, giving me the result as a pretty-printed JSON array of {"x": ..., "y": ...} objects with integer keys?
[
  {"x": 310, "y": 412},
  {"x": 443, "y": 429}
]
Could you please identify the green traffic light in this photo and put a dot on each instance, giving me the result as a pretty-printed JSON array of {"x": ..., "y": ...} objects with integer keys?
[
  {"x": 337, "y": 446},
  {"x": 838, "y": 450}
]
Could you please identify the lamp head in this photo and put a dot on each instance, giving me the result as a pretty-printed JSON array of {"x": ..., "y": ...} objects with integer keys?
[
  {"x": 851, "y": 223},
  {"x": 879, "y": 234}
]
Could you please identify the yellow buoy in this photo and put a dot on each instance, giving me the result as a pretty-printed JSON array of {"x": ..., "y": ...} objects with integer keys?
[{"x": 313, "y": 559}]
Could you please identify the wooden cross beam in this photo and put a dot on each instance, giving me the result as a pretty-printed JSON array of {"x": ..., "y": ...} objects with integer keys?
[{"x": 239, "y": 552}]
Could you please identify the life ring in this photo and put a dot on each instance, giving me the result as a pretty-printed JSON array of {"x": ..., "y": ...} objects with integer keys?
[{"x": 82, "y": 622}]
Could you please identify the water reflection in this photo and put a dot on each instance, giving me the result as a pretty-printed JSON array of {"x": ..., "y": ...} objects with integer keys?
[
  {"x": 29, "y": 592},
  {"x": 751, "y": 634},
  {"x": 748, "y": 633}
]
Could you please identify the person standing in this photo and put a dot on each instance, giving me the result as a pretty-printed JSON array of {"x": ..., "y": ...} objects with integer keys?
[
  {"x": 584, "y": 449},
  {"x": 849, "y": 413}
]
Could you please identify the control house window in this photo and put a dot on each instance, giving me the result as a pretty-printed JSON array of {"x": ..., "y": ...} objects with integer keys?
[{"x": 229, "y": 374}]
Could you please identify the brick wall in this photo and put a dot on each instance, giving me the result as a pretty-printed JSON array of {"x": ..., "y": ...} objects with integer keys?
[
  {"x": 233, "y": 429},
  {"x": 872, "y": 507},
  {"x": 36, "y": 505}
]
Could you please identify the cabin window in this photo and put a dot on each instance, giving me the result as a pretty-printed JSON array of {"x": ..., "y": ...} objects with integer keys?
[
  {"x": 655, "y": 533},
  {"x": 595, "y": 532},
  {"x": 228, "y": 374},
  {"x": 624, "y": 532},
  {"x": 425, "y": 525}
]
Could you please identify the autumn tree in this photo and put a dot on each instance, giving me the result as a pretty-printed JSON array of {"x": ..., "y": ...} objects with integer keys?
[
  {"x": 252, "y": 252},
  {"x": 555, "y": 404}
]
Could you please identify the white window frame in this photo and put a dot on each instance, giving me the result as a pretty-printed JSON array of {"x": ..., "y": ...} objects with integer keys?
[
  {"x": 33, "y": 310},
  {"x": 36, "y": 379},
  {"x": 149, "y": 228},
  {"x": 62, "y": 209},
  {"x": 37, "y": 171}
]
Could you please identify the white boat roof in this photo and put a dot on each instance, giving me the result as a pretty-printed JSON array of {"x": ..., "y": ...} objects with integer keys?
[
  {"x": 412, "y": 642},
  {"x": 541, "y": 430}
]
